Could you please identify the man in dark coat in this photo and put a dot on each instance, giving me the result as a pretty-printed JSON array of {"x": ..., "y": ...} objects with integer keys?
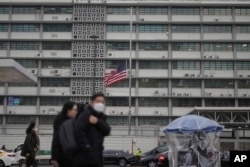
[{"x": 90, "y": 129}]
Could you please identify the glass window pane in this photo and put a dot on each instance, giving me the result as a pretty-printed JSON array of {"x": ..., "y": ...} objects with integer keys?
[
  {"x": 186, "y": 65},
  {"x": 153, "y": 10},
  {"x": 186, "y": 83},
  {"x": 26, "y": 10},
  {"x": 153, "y": 64},
  {"x": 53, "y": 101},
  {"x": 55, "y": 82},
  {"x": 58, "y": 10},
  {"x": 219, "y": 102},
  {"x": 185, "y": 102},
  {"x": 4, "y": 27},
  {"x": 219, "y": 83},
  {"x": 24, "y": 45},
  {"x": 56, "y": 45},
  {"x": 185, "y": 10},
  {"x": 57, "y": 27}
]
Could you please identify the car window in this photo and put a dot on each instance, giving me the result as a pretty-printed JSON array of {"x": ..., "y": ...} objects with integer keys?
[
  {"x": 19, "y": 148},
  {"x": 162, "y": 149}
]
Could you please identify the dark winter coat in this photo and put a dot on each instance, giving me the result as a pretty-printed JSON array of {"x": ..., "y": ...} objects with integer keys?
[
  {"x": 90, "y": 137},
  {"x": 31, "y": 144},
  {"x": 56, "y": 150}
]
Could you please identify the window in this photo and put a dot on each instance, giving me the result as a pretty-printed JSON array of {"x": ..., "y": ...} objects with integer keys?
[
  {"x": 26, "y": 10},
  {"x": 218, "y": 47},
  {"x": 120, "y": 121},
  {"x": 28, "y": 63},
  {"x": 218, "y": 65},
  {"x": 243, "y": 65},
  {"x": 1, "y": 100},
  {"x": 123, "y": 84},
  {"x": 58, "y": 10},
  {"x": 56, "y": 64},
  {"x": 55, "y": 82},
  {"x": 21, "y": 84},
  {"x": 153, "y": 102},
  {"x": 21, "y": 101},
  {"x": 153, "y": 64},
  {"x": 120, "y": 101},
  {"x": 120, "y": 10},
  {"x": 181, "y": 102},
  {"x": 153, "y": 46},
  {"x": 57, "y": 45},
  {"x": 57, "y": 27},
  {"x": 185, "y": 28},
  {"x": 153, "y": 28},
  {"x": 25, "y": 27},
  {"x": 242, "y": 11},
  {"x": 219, "y": 103},
  {"x": 153, "y": 10},
  {"x": 160, "y": 121},
  {"x": 3, "y": 45},
  {"x": 153, "y": 83},
  {"x": 47, "y": 120},
  {"x": 244, "y": 84},
  {"x": 217, "y": 11},
  {"x": 191, "y": 46},
  {"x": 186, "y": 65},
  {"x": 4, "y": 9},
  {"x": 53, "y": 101},
  {"x": 119, "y": 46},
  {"x": 120, "y": 28},
  {"x": 217, "y": 28},
  {"x": 22, "y": 45},
  {"x": 186, "y": 83},
  {"x": 243, "y": 47},
  {"x": 4, "y": 27},
  {"x": 20, "y": 119},
  {"x": 216, "y": 83},
  {"x": 244, "y": 102},
  {"x": 112, "y": 64},
  {"x": 243, "y": 28},
  {"x": 185, "y": 10},
  {"x": 1, "y": 120}
]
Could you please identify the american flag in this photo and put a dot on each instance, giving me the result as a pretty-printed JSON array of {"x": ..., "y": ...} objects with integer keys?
[{"x": 116, "y": 75}]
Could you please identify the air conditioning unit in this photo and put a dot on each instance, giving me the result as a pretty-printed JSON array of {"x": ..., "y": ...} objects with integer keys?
[
  {"x": 142, "y": 19},
  {"x": 211, "y": 75},
  {"x": 186, "y": 94},
  {"x": 192, "y": 75},
  {"x": 57, "y": 72},
  {"x": 121, "y": 113},
  {"x": 178, "y": 94},
  {"x": 107, "y": 94},
  {"x": 204, "y": 57},
  {"x": 210, "y": 57},
  {"x": 110, "y": 54},
  {"x": 186, "y": 75},
  {"x": 221, "y": 95},
  {"x": 206, "y": 76},
  {"x": 163, "y": 94},
  {"x": 10, "y": 112},
  {"x": 38, "y": 54},
  {"x": 54, "y": 35},
  {"x": 245, "y": 95},
  {"x": 156, "y": 92},
  {"x": 52, "y": 90},
  {"x": 44, "y": 111},
  {"x": 230, "y": 95},
  {"x": 157, "y": 112},
  {"x": 173, "y": 94},
  {"x": 240, "y": 76},
  {"x": 217, "y": 57},
  {"x": 209, "y": 94},
  {"x": 163, "y": 56},
  {"x": 34, "y": 72},
  {"x": 53, "y": 53},
  {"x": 216, "y": 20},
  {"x": 113, "y": 112},
  {"x": 67, "y": 19},
  {"x": 248, "y": 76}
]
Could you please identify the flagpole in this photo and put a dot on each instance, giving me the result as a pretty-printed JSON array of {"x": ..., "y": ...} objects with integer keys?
[{"x": 130, "y": 72}]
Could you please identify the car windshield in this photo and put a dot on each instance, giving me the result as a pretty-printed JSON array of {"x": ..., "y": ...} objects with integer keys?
[{"x": 161, "y": 149}]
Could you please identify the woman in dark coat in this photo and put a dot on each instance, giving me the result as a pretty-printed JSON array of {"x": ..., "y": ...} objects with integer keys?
[
  {"x": 31, "y": 145},
  {"x": 58, "y": 158}
]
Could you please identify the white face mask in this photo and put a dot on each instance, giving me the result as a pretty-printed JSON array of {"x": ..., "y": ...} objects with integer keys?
[{"x": 99, "y": 107}]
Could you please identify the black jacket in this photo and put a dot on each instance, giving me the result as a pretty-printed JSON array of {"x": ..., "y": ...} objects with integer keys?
[
  {"x": 56, "y": 150},
  {"x": 90, "y": 137},
  {"x": 30, "y": 144}
]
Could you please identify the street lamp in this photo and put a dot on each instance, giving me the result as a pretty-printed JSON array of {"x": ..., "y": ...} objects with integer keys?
[{"x": 94, "y": 37}]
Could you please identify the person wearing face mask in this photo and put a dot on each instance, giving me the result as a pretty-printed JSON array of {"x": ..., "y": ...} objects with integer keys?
[
  {"x": 90, "y": 129},
  {"x": 58, "y": 157},
  {"x": 31, "y": 145}
]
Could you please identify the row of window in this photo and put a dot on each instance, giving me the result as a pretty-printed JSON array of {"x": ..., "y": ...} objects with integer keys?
[{"x": 143, "y": 101}]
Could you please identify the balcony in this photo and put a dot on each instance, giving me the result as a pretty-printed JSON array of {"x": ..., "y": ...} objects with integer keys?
[
  {"x": 22, "y": 91},
  {"x": 190, "y": 36},
  {"x": 26, "y": 17},
  {"x": 186, "y": 92},
  {"x": 218, "y": 55},
  {"x": 156, "y": 92},
  {"x": 180, "y": 111},
  {"x": 3, "y": 35},
  {"x": 219, "y": 92},
  {"x": 119, "y": 110},
  {"x": 55, "y": 72},
  {"x": 120, "y": 36},
  {"x": 52, "y": 91},
  {"x": 24, "y": 53},
  {"x": 57, "y": 35},
  {"x": 214, "y": 18},
  {"x": 3, "y": 53},
  {"x": 121, "y": 92},
  {"x": 242, "y": 55},
  {"x": 25, "y": 35},
  {"x": 23, "y": 110},
  {"x": 186, "y": 54},
  {"x": 122, "y": 54},
  {"x": 4, "y": 17},
  {"x": 120, "y": 18},
  {"x": 186, "y": 73},
  {"x": 184, "y": 18},
  {"x": 56, "y": 53},
  {"x": 218, "y": 74},
  {"x": 152, "y": 73},
  {"x": 143, "y": 54},
  {"x": 217, "y": 36},
  {"x": 57, "y": 17},
  {"x": 156, "y": 36},
  {"x": 157, "y": 18},
  {"x": 153, "y": 111}
]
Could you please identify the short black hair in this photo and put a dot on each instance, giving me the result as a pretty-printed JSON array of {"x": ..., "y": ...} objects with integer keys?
[{"x": 98, "y": 94}]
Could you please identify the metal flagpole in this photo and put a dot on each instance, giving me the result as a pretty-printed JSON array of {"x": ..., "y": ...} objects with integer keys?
[{"x": 130, "y": 72}]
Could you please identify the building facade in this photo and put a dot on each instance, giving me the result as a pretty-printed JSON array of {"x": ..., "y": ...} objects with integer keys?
[{"x": 185, "y": 54}]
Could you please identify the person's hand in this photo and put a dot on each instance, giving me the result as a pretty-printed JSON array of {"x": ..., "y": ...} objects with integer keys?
[
  {"x": 54, "y": 163},
  {"x": 93, "y": 119}
]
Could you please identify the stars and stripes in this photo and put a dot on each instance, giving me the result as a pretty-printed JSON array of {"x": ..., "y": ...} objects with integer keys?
[{"x": 116, "y": 75}]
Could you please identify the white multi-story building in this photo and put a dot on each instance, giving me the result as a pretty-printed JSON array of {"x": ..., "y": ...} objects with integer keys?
[{"x": 186, "y": 54}]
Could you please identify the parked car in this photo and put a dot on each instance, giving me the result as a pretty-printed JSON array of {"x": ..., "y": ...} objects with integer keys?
[
  {"x": 163, "y": 159},
  {"x": 150, "y": 158},
  {"x": 6, "y": 159},
  {"x": 20, "y": 160},
  {"x": 118, "y": 157}
]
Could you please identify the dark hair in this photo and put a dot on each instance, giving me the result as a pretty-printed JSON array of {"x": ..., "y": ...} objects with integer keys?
[
  {"x": 99, "y": 94},
  {"x": 66, "y": 107},
  {"x": 80, "y": 108},
  {"x": 30, "y": 127}
]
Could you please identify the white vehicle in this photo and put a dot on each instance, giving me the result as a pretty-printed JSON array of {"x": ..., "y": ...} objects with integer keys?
[
  {"x": 6, "y": 159},
  {"x": 18, "y": 159}
]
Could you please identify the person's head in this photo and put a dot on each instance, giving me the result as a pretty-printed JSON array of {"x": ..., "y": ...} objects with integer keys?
[
  {"x": 69, "y": 110},
  {"x": 31, "y": 128},
  {"x": 80, "y": 108},
  {"x": 138, "y": 148},
  {"x": 97, "y": 101}
]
